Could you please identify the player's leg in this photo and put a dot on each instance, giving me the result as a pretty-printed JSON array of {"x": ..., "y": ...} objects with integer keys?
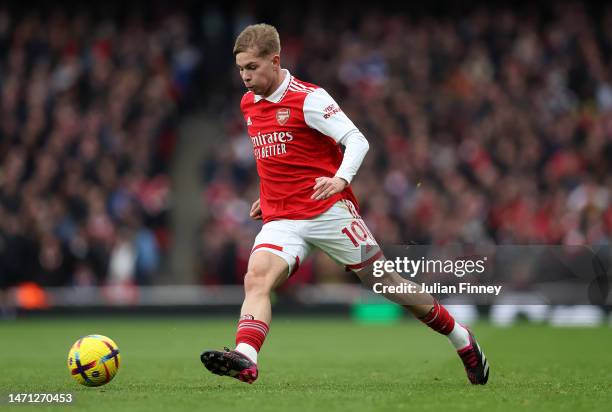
[
  {"x": 429, "y": 311},
  {"x": 277, "y": 252},
  {"x": 343, "y": 235},
  {"x": 419, "y": 303},
  {"x": 265, "y": 272}
]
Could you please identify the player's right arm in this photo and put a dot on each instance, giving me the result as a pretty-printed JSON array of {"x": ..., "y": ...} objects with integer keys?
[{"x": 255, "y": 212}]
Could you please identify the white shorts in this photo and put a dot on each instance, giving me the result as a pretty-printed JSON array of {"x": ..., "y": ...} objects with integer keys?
[{"x": 339, "y": 232}]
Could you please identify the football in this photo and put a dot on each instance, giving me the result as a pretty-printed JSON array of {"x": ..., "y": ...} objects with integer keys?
[{"x": 93, "y": 360}]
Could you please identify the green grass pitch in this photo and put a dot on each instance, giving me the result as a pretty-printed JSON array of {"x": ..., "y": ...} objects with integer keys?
[{"x": 312, "y": 365}]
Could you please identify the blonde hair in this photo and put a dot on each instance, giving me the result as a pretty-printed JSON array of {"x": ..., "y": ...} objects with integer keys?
[{"x": 262, "y": 37}]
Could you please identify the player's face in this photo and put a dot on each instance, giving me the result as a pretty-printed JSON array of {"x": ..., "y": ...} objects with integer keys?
[{"x": 257, "y": 72}]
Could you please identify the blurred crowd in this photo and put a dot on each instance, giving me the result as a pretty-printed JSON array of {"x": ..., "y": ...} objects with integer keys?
[
  {"x": 494, "y": 126},
  {"x": 88, "y": 123},
  {"x": 486, "y": 125}
]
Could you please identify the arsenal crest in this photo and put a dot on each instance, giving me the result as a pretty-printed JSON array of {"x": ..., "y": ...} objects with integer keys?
[{"x": 282, "y": 115}]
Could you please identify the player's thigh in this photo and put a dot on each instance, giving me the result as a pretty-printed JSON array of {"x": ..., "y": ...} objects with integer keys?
[
  {"x": 343, "y": 235},
  {"x": 281, "y": 239}
]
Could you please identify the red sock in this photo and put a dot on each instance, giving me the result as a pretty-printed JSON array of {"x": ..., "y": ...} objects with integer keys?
[
  {"x": 252, "y": 332},
  {"x": 439, "y": 319}
]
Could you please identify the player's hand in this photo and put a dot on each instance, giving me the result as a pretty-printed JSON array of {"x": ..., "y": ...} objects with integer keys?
[
  {"x": 255, "y": 210},
  {"x": 327, "y": 186}
]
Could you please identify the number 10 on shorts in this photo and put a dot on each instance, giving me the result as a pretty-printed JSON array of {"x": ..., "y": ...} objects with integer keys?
[{"x": 358, "y": 233}]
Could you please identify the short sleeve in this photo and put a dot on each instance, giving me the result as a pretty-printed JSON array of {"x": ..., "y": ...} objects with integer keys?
[{"x": 322, "y": 113}]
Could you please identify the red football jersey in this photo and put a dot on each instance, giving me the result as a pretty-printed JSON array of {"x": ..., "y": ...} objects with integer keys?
[{"x": 295, "y": 133}]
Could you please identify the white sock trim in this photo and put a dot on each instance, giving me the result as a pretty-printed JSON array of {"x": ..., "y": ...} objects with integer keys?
[
  {"x": 247, "y": 350},
  {"x": 459, "y": 336}
]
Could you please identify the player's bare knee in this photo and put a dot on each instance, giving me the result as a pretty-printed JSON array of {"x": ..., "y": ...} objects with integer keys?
[{"x": 255, "y": 282}]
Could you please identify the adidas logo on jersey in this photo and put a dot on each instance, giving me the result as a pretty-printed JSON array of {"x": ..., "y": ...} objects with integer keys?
[{"x": 249, "y": 122}]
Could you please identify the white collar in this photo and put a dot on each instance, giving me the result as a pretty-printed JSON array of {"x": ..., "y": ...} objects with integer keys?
[{"x": 278, "y": 93}]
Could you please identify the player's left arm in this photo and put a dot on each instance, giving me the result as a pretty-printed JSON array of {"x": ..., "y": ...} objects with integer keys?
[{"x": 322, "y": 113}]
